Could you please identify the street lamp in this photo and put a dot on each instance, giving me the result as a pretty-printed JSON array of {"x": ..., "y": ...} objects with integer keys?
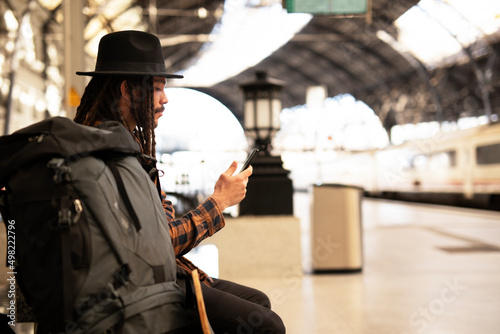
[
  {"x": 269, "y": 189},
  {"x": 262, "y": 107}
]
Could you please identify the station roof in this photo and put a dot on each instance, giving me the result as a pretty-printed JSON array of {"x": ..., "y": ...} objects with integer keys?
[{"x": 346, "y": 55}]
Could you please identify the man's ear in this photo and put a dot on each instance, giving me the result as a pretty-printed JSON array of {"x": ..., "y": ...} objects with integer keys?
[{"x": 124, "y": 91}]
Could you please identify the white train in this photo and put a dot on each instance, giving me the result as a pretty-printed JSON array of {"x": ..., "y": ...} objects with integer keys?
[{"x": 459, "y": 168}]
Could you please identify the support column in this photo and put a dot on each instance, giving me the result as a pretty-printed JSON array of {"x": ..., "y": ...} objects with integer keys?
[{"x": 74, "y": 57}]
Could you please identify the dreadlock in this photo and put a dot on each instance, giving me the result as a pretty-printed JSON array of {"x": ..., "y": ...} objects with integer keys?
[{"x": 100, "y": 103}]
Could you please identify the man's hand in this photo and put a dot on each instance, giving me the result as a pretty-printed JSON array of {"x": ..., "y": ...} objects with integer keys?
[{"x": 230, "y": 188}]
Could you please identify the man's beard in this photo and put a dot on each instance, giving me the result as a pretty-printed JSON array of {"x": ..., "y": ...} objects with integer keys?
[{"x": 158, "y": 110}]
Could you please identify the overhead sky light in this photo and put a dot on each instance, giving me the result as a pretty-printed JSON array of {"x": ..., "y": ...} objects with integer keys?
[
  {"x": 436, "y": 30},
  {"x": 244, "y": 37},
  {"x": 50, "y": 4}
]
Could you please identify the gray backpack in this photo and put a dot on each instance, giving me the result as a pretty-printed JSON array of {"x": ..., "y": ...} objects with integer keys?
[{"x": 93, "y": 252}]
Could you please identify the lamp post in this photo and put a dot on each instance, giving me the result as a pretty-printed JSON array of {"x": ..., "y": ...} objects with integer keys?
[{"x": 269, "y": 189}]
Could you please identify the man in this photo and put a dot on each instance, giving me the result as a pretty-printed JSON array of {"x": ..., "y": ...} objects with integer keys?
[{"x": 128, "y": 86}]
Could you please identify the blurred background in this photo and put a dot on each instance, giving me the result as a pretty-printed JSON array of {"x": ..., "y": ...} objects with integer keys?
[{"x": 368, "y": 113}]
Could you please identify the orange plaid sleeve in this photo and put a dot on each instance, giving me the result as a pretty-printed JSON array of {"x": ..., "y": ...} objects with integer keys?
[{"x": 198, "y": 224}]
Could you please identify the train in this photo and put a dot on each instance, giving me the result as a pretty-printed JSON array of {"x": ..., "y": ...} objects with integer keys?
[{"x": 460, "y": 168}]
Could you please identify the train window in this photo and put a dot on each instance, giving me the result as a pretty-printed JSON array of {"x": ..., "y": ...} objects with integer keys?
[
  {"x": 488, "y": 154},
  {"x": 452, "y": 158}
]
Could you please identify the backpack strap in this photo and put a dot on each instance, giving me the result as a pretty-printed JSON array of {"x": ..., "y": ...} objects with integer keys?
[
  {"x": 120, "y": 278},
  {"x": 64, "y": 223},
  {"x": 205, "y": 324},
  {"x": 149, "y": 165},
  {"x": 123, "y": 192}
]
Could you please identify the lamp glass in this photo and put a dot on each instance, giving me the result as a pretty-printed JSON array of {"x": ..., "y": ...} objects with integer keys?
[
  {"x": 276, "y": 124},
  {"x": 249, "y": 115},
  {"x": 263, "y": 114}
]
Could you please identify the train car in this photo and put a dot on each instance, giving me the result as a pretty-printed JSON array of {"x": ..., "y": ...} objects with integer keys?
[{"x": 458, "y": 168}]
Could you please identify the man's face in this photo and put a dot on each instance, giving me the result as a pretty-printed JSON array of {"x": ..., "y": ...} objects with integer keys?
[{"x": 160, "y": 98}]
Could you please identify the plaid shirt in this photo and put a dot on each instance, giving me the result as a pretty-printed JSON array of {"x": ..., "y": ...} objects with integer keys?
[{"x": 188, "y": 231}]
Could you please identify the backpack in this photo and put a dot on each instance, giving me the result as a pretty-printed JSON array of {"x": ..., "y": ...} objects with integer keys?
[{"x": 93, "y": 252}]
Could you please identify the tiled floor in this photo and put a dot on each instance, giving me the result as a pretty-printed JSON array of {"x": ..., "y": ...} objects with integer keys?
[{"x": 427, "y": 269}]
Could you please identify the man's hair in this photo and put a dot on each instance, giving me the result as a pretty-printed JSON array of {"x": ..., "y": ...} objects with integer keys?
[{"x": 100, "y": 102}]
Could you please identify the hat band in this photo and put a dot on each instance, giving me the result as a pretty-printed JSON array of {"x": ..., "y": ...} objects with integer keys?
[{"x": 130, "y": 67}]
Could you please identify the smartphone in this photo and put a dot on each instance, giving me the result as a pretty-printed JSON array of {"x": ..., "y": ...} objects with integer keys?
[{"x": 249, "y": 159}]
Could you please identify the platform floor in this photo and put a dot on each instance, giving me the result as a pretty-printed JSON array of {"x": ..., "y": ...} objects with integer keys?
[{"x": 427, "y": 269}]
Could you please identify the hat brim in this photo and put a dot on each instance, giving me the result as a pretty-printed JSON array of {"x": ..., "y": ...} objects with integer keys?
[{"x": 98, "y": 73}]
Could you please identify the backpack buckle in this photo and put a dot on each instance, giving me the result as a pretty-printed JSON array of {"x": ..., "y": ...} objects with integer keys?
[
  {"x": 64, "y": 220},
  {"x": 111, "y": 291},
  {"x": 61, "y": 171},
  {"x": 120, "y": 277},
  {"x": 65, "y": 217}
]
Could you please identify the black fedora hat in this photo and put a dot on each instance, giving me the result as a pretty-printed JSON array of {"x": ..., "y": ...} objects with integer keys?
[{"x": 130, "y": 52}]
